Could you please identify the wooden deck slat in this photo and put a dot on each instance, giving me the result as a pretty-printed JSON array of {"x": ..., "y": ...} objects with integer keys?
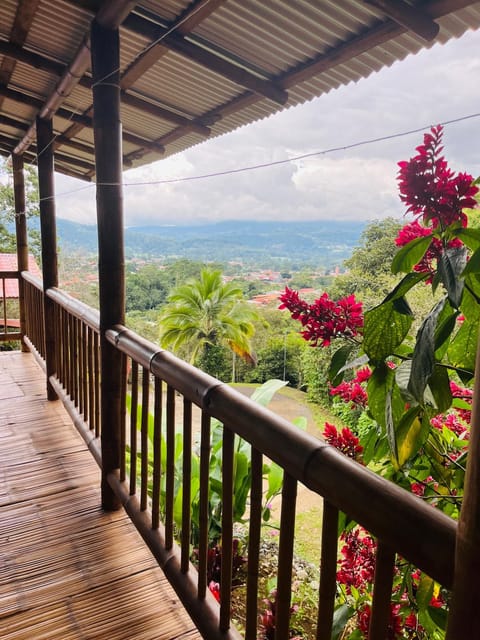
[{"x": 68, "y": 571}]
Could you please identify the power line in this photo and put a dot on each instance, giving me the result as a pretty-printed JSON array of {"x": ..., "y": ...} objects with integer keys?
[{"x": 274, "y": 163}]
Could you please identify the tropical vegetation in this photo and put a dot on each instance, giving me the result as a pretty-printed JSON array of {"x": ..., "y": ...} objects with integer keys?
[{"x": 410, "y": 394}]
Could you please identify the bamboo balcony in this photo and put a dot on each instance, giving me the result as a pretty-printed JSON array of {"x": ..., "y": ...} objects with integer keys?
[{"x": 48, "y": 473}]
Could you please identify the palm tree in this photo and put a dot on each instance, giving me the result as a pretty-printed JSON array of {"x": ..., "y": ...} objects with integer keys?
[{"x": 206, "y": 313}]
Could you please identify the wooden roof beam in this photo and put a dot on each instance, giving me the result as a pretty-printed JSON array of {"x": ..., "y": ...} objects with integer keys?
[
  {"x": 41, "y": 62},
  {"x": 26, "y": 10},
  {"x": 206, "y": 58},
  {"x": 110, "y": 14},
  {"x": 408, "y": 16},
  {"x": 79, "y": 119}
]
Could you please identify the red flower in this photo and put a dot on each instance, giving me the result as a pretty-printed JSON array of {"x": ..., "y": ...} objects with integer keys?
[
  {"x": 357, "y": 565},
  {"x": 215, "y": 590},
  {"x": 346, "y": 441},
  {"x": 430, "y": 189},
  {"x": 324, "y": 319},
  {"x": 427, "y": 264},
  {"x": 394, "y": 631}
]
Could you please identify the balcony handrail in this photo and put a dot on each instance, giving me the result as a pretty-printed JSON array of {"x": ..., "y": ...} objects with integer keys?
[
  {"x": 402, "y": 522},
  {"x": 78, "y": 309},
  {"x": 319, "y": 466}
]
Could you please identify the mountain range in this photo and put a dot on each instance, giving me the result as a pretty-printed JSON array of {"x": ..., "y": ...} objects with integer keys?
[{"x": 325, "y": 243}]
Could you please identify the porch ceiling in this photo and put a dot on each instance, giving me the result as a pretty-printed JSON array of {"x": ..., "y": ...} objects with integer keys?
[{"x": 192, "y": 70}]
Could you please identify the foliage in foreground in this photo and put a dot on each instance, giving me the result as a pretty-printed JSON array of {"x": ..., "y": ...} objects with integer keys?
[{"x": 411, "y": 393}]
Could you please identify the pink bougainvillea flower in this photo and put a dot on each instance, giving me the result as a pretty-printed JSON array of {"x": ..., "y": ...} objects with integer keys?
[
  {"x": 324, "y": 319},
  {"x": 430, "y": 189},
  {"x": 345, "y": 441}
]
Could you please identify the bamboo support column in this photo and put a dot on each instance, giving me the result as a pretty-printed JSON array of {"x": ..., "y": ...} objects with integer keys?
[
  {"x": 49, "y": 239},
  {"x": 21, "y": 234},
  {"x": 464, "y": 617},
  {"x": 108, "y": 163}
]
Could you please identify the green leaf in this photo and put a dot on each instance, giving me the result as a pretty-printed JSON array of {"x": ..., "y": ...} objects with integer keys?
[
  {"x": 385, "y": 328},
  {"x": 381, "y": 389},
  {"x": 439, "y": 616},
  {"x": 450, "y": 267},
  {"x": 439, "y": 384},
  {"x": 471, "y": 237},
  {"x": 462, "y": 350},
  {"x": 340, "y": 618},
  {"x": 275, "y": 480},
  {"x": 424, "y": 592},
  {"x": 423, "y": 359},
  {"x": 337, "y": 363},
  {"x": 473, "y": 265},
  {"x": 445, "y": 326},
  {"x": 264, "y": 394},
  {"x": 390, "y": 426},
  {"x": 402, "y": 378},
  {"x": 470, "y": 302},
  {"x": 405, "y": 284},
  {"x": 410, "y": 255},
  {"x": 412, "y": 431}
]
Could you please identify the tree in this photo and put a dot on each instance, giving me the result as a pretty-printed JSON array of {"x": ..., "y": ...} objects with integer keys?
[
  {"x": 8, "y": 240},
  {"x": 369, "y": 265},
  {"x": 205, "y": 313}
]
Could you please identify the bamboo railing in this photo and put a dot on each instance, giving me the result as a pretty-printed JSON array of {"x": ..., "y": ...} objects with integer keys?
[
  {"x": 401, "y": 522},
  {"x": 7, "y": 332}
]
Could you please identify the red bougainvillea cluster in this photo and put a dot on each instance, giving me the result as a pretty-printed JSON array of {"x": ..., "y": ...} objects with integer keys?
[
  {"x": 324, "y": 319},
  {"x": 344, "y": 440},
  {"x": 351, "y": 391},
  {"x": 431, "y": 189}
]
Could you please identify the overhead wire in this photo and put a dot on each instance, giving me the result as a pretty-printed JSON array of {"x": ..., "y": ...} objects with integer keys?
[{"x": 272, "y": 163}]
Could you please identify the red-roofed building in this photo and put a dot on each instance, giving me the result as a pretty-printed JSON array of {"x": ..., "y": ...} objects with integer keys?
[{"x": 8, "y": 262}]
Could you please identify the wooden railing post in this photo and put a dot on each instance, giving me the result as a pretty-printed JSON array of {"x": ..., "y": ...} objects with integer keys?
[
  {"x": 49, "y": 239},
  {"x": 464, "y": 617},
  {"x": 21, "y": 233},
  {"x": 108, "y": 163}
]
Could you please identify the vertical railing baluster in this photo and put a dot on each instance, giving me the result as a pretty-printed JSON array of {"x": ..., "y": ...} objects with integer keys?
[
  {"x": 203, "y": 516},
  {"x": 328, "y": 571},
  {"x": 96, "y": 368},
  {"x": 91, "y": 379},
  {"x": 285, "y": 558},
  {"x": 81, "y": 370},
  {"x": 186, "y": 485},
  {"x": 75, "y": 360},
  {"x": 227, "y": 527},
  {"x": 123, "y": 411},
  {"x": 254, "y": 532},
  {"x": 144, "y": 439},
  {"x": 382, "y": 592},
  {"x": 170, "y": 467},
  {"x": 157, "y": 454},
  {"x": 133, "y": 430}
]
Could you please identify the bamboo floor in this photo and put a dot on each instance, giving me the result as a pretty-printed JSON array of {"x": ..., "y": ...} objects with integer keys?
[{"x": 68, "y": 571}]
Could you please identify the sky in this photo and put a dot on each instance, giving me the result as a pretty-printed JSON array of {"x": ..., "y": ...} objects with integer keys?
[{"x": 434, "y": 86}]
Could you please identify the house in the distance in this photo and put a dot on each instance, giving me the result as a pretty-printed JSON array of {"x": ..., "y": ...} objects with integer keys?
[{"x": 9, "y": 287}]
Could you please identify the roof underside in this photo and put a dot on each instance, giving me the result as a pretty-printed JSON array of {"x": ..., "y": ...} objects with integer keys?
[{"x": 193, "y": 70}]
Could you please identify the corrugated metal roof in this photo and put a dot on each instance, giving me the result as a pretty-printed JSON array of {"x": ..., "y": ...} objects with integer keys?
[
  {"x": 221, "y": 64},
  {"x": 8, "y": 262}
]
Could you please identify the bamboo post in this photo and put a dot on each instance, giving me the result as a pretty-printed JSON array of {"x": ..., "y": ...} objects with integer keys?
[
  {"x": 108, "y": 163},
  {"x": 49, "y": 239},
  {"x": 21, "y": 234},
  {"x": 464, "y": 617}
]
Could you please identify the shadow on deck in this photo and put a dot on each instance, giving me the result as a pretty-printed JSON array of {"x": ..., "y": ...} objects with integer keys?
[{"x": 68, "y": 570}]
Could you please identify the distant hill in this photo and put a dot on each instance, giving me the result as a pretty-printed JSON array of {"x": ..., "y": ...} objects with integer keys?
[{"x": 325, "y": 243}]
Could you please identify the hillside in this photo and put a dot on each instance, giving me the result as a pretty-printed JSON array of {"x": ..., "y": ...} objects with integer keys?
[{"x": 324, "y": 243}]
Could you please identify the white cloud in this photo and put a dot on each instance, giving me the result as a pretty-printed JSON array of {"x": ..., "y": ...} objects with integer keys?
[{"x": 435, "y": 85}]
